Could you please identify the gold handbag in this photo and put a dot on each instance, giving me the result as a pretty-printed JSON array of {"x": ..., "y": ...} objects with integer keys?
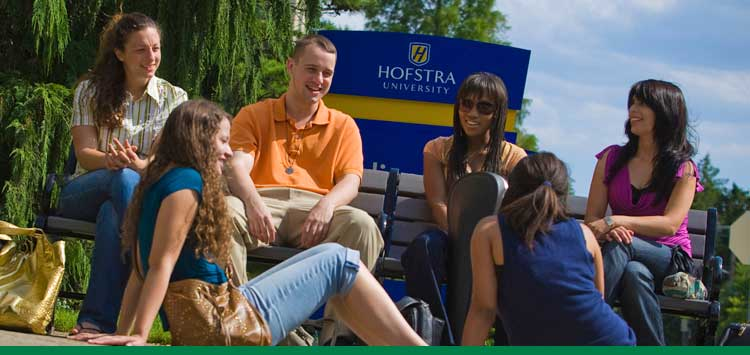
[
  {"x": 31, "y": 270},
  {"x": 202, "y": 313}
]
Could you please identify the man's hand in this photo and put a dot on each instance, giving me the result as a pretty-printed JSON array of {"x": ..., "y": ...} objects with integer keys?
[
  {"x": 315, "y": 228},
  {"x": 259, "y": 222}
]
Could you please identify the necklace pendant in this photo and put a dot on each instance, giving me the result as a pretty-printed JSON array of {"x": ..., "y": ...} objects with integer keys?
[{"x": 289, "y": 170}]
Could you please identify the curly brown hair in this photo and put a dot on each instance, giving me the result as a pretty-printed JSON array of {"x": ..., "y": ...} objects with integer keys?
[
  {"x": 188, "y": 140},
  {"x": 107, "y": 78}
]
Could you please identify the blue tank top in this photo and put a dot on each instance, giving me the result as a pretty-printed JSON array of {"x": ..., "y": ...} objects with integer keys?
[
  {"x": 188, "y": 266},
  {"x": 547, "y": 296}
]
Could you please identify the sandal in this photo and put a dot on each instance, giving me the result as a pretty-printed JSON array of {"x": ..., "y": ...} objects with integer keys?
[{"x": 85, "y": 328}]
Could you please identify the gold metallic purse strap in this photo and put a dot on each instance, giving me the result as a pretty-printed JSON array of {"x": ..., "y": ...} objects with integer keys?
[
  {"x": 10, "y": 229},
  {"x": 229, "y": 271}
]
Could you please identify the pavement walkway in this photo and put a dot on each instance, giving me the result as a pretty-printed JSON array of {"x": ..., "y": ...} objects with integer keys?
[{"x": 25, "y": 339}]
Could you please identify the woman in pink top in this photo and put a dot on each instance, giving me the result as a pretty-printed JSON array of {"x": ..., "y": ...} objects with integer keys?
[{"x": 649, "y": 183}]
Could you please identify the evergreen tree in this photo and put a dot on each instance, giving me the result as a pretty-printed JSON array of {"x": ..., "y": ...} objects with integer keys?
[{"x": 731, "y": 203}]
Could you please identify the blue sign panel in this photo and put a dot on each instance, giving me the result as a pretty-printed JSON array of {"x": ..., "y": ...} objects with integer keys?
[
  {"x": 399, "y": 145},
  {"x": 419, "y": 67}
]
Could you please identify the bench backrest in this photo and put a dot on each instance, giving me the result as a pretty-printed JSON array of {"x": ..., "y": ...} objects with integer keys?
[
  {"x": 413, "y": 215},
  {"x": 371, "y": 191}
]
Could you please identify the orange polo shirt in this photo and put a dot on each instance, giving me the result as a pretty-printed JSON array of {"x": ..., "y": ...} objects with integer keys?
[{"x": 313, "y": 158}]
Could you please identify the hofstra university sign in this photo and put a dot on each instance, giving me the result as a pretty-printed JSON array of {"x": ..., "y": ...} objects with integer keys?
[
  {"x": 397, "y": 65},
  {"x": 403, "y": 86},
  {"x": 414, "y": 78}
]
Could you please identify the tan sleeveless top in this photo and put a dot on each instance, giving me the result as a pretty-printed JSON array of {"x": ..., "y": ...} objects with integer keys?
[{"x": 439, "y": 148}]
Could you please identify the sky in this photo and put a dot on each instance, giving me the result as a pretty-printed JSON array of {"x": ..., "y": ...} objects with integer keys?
[{"x": 585, "y": 55}]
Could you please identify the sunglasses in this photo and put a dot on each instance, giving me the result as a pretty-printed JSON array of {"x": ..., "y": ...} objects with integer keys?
[{"x": 483, "y": 107}]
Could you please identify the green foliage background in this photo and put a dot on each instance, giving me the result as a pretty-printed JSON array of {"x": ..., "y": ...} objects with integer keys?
[
  {"x": 731, "y": 201},
  {"x": 229, "y": 51}
]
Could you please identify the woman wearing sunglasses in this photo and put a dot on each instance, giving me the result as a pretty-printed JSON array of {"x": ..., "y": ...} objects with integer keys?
[{"x": 477, "y": 144}]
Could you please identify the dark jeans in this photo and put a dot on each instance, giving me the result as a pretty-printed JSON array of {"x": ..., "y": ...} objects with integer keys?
[
  {"x": 633, "y": 274},
  {"x": 102, "y": 196},
  {"x": 425, "y": 264}
]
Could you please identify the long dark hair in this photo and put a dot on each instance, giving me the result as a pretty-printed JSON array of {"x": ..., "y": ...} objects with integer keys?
[
  {"x": 538, "y": 187},
  {"x": 672, "y": 134},
  {"x": 107, "y": 78},
  {"x": 478, "y": 85},
  {"x": 188, "y": 140}
]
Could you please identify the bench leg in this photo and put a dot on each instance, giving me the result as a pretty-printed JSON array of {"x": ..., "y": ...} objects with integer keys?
[
  {"x": 51, "y": 326},
  {"x": 700, "y": 333},
  {"x": 710, "y": 336}
]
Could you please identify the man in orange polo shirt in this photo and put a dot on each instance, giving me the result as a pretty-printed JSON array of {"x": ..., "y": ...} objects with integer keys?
[{"x": 297, "y": 164}]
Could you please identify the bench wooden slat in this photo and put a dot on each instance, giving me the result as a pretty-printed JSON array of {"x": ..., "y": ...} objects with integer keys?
[
  {"x": 404, "y": 232},
  {"x": 680, "y": 306},
  {"x": 368, "y": 202},
  {"x": 698, "y": 244},
  {"x": 397, "y": 251},
  {"x": 413, "y": 209},
  {"x": 65, "y": 226},
  {"x": 697, "y": 220},
  {"x": 374, "y": 181},
  {"x": 391, "y": 267},
  {"x": 411, "y": 185},
  {"x": 272, "y": 254},
  {"x": 577, "y": 206}
]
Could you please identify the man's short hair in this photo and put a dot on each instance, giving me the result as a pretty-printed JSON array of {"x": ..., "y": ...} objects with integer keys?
[{"x": 312, "y": 39}]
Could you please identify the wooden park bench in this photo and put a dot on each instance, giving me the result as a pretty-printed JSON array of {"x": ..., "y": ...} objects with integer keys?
[
  {"x": 397, "y": 202},
  {"x": 371, "y": 198},
  {"x": 412, "y": 216}
]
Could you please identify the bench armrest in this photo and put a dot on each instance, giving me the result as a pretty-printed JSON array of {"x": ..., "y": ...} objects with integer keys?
[
  {"x": 385, "y": 221},
  {"x": 716, "y": 276},
  {"x": 56, "y": 179},
  {"x": 49, "y": 186}
]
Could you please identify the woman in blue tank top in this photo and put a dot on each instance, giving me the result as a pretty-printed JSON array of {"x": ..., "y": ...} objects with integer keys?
[
  {"x": 179, "y": 227},
  {"x": 540, "y": 271}
]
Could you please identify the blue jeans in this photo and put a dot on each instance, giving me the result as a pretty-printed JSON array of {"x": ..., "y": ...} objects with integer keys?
[
  {"x": 290, "y": 292},
  {"x": 425, "y": 262},
  {"x": 102, "y": 196},
  {"x": 633, "y": 274}
]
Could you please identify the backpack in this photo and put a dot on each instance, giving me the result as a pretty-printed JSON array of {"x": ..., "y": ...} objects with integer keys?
[
  {"x": 737, "y": 334},
  {"x": 417, "y": 314}
]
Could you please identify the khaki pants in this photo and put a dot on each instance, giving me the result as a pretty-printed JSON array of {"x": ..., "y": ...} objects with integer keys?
[{"x": 350, "y": 227}]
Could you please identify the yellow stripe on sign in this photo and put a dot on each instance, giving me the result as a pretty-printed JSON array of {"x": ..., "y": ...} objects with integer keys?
[{"x": 404, "y": 111}]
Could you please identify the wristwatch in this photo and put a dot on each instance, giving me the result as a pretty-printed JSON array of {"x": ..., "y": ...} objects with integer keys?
[{"x": 609, "y": 221}]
